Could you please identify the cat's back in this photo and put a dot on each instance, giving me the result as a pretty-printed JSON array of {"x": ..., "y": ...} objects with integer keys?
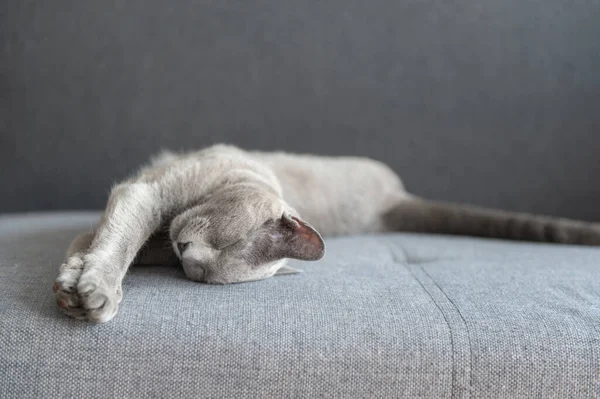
[
  {"x": 339, "y": 195},
  {"x": 338, "y": 172},
  {"x": 201, "y": 166},
  {"x": 183, "y": 178}
]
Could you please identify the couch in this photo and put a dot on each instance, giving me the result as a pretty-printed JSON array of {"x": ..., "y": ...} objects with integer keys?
[
  {"x": 491, "y": 103},
  {"x": 398, "y": 315}
]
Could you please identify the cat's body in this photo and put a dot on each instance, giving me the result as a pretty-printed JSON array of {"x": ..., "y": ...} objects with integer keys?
[
  {"x": 325, "y": 191},
  {"x": 231, "y": 215}
]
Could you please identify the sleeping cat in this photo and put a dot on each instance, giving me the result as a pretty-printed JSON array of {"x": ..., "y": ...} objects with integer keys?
[{"x": 230, "y": 216}]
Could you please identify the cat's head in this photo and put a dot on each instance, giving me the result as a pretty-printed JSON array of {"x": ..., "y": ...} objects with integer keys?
[{"x": 236, "y": 237}]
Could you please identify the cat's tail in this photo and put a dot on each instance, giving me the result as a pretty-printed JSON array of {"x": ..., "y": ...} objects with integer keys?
[{"x": 423, "y": 216}]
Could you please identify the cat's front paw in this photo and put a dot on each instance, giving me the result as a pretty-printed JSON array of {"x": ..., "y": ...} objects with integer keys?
[
  {"x": 86, "y": 293},
  {"x": 99, "y": 296}
]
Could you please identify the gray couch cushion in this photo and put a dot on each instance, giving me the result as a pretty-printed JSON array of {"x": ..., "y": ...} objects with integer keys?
[{"x": 379, "y": 316}]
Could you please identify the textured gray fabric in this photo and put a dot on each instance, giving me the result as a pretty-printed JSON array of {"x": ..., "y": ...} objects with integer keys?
[
  {"x": 380, "y": 316},
  {"x": 489, "y": 102}
]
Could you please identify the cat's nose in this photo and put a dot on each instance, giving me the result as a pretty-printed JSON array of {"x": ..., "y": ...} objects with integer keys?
[{"x": 182, "y": 246}]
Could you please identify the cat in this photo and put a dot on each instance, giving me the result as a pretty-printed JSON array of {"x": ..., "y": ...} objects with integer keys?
[{"x": 230, "y": 216}]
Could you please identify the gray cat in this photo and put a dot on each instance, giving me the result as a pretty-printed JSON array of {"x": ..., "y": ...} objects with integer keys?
[{"x": 230, "y": 216}]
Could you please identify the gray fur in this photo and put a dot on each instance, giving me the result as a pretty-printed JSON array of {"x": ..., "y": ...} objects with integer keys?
[{"x": 231, "y": 216}]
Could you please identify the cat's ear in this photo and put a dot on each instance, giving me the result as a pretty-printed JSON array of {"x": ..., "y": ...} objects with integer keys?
[
  {"x": 297, "y": 239},
  {"x": 286, "y": 237}
]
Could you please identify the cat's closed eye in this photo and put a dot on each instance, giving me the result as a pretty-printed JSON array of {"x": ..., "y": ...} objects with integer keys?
[
  {"x": 182, "y": 246},
  {"x": 230, "y": 245}
]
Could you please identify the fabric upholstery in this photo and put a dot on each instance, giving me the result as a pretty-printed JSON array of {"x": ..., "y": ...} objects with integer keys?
[
  {"x": 489, "y": 102},
  {"x": 396, "y": 315}
]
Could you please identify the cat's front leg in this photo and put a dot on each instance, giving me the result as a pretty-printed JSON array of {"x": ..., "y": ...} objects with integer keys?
[{"x": 133, "y": 213}]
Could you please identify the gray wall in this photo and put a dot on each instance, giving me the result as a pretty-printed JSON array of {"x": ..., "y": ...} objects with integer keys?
[{"x": 489, "y": 102}]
